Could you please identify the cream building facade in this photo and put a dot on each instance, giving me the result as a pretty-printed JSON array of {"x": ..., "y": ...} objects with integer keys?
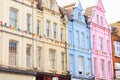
[{"x": 32, "y": 39}]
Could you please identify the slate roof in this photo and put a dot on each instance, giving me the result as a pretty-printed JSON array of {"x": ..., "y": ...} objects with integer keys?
[
  {"x": 67, "y": 10},
  {"x": 39, "y": 4},
  {"x": 116, "y": 28}
]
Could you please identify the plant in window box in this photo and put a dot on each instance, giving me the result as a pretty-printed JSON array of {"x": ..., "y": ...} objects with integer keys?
[{"x": 87, "y": 73}]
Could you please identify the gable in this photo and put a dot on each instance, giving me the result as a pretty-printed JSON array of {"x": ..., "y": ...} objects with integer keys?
[
  {"x": 78, "y": 5},
  {"x": 100, "y": 6}
]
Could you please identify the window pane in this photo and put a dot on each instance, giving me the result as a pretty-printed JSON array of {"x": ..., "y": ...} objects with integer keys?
[
  {"x": 102, "y": 67},
  {"x": 87, "y": 41},
  {"x": 54, "y": 30},
  {"x": 28, "y": 56},
  {"x": 97, "y": 19},
  {"x": 51, "y": 4},
  {"x": 52, "y": 59},
  {"x": 69, "y": 37},
  {"x": 61, "y": 34},
  {"x": 63, "y": 60},
  {"x": 39, "y": 57},
  {"x": 71, "y": 62},
  {"x": 100, "y": 44},
  {"x": 78, "y": 16},
  {"x": 38, "y": 27},
  {"x": 48, "y": 28},
  {"x": 13, "y": 17},
  {"x": 89, "y": 63},
  {"x": 109, "y": 68},
  {"x": 12, "y": 53},
  {"x": 28, "y": 22},
  {"x": 80, "y": 63},
  {"x": 108, "y": 43},
  {"x": 93, "y": 41},
  {"x": 82, "y": 40},
  {"x": 77, "y": 37},
  {"x": 95, "y": 65}
]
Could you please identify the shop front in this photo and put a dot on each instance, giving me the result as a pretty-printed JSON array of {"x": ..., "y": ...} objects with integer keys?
[
  {"x": 15, "y": 74},
  {"x": 51, "y": 76}
]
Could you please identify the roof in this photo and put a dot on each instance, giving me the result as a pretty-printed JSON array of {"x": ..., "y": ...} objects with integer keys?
[
  {"x": 39, "y": 5},
  {"x": 116, "y": 28},
  {"x": 67, "y": 10},
  {"x": 88, "y": 11},
  {"x": 69, "y": 6}
]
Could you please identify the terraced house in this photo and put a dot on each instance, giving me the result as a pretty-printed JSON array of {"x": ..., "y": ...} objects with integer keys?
[
  {"x": 78, "y": 43},
  {"x": 102, "y": 63},
  {"x": 54, "y": 50},
  {"x": 32, "y": 39},
  {"x": 16, "y": 50},
  {"x": 116, "y": 48}
]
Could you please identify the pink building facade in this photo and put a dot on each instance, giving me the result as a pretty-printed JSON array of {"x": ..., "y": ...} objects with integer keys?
[{"x": 100, "y": 42}]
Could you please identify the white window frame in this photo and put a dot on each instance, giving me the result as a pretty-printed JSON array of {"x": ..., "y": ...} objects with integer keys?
[
  {"x": 109, "y": 68},
  {"x": 101, "y": 20},
  {"x": 81, "y": 63},
  {"x": 97, "y": 19},
  {"x": 55, "y": 30},
  {"x": 82, "y": 39},
  {"x": 71, "y": 63},
  {"x": 87, "y": 41},
  {"x": 47, "y": 28},
  {"x": 39, "y": 57},
  {"x": 52, "y": 59},
  {"x": 61, "y": 34},
  {"x": 38, "y": 27},
  {"x": 102, "y": 65},
  {"x": 28, "y": 56},
  {"x": 69, "y": 36},
  {"x": 95, "y": 65},
  {"x": 77, "y": 37},
  {"x": 13, "y": 17},
  {"x": 63, "y": 60},
  {"x": 79, "y": 16},
  {"x": 93, "y": 41},
  {"x": 100, "y": 43},
  {"x": 28, "y": 22},
  {"x": 108, "y": 45},
  {"x": 13, "y": 52},
  {"x": 89, "y": 65},
  {"x": 51, "y": 4}
]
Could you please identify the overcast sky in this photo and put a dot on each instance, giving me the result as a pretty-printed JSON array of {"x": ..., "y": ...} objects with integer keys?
[{"x": 112, "y": 7}]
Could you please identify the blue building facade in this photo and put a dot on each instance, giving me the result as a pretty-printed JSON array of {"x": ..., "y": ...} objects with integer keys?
[{"x": 78, "y": 44}]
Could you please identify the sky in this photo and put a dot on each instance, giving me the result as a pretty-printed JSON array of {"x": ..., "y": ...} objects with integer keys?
[{"x": 112, "y": 7}]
